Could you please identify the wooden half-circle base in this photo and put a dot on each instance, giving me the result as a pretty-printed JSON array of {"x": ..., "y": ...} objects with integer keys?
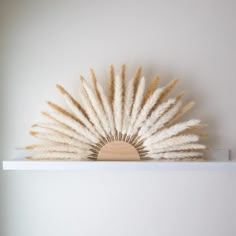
[{"x": 118, "y": 151}]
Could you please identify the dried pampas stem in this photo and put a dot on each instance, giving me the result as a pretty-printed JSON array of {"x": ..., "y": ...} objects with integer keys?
[
  {"x": 182, "y": 111},
  {"x": 184, "y": 147},
  {"x": 173, "y": 130},
  {"x": 58, "y": 156},
  {"x": 136, "y": 105},
  {"x": 97, "y": 107},
  {"x": 155, "y": 115},
  {"x": 112, "y": 83},
  {"x": 117, "y": 104},
  {"x": 59, "y": 139},
  {"x": 95, "y": 85},
  {"x": 75, "y": 108},
  {"x": 164, "y": 119},
  {"x": 90, "y": 110},
  {"x": 62, "y": 130},
  {"x": 71, "y": 99},
  {"x": 177, "y": 140},
  {"x": 57, "y": 148},
  {"x": 165, "y": 92},
  {"x": 176, "y": 155},
  {"x": 107, "y": 109},
  {"x": 144, "y": 113},
  {"x": 151, "y": 88}
]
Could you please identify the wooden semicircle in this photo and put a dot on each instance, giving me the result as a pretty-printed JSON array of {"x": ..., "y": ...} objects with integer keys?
[{"x": 118, "y": 151}]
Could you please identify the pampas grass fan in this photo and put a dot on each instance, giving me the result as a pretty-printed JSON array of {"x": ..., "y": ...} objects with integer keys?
[{"x": 131, "y": 123}]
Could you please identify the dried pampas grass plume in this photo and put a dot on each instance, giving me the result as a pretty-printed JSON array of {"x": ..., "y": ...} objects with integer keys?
[{"x": 131, "y": 122}]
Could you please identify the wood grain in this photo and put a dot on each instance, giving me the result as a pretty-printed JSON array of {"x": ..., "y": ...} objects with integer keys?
[{"x": 118, "y": 151}]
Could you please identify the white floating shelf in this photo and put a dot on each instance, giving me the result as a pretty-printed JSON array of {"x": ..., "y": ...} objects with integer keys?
[
  {"x": 21, "y": 164},
  {"x": 218, "y": 160}
]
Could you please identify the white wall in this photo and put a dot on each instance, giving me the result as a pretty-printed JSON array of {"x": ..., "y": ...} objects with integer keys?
[{"x": 49, "y": 42}]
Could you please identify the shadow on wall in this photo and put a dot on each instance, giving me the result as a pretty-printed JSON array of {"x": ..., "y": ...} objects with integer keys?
[
  {"x": 2, "y": 174},
  {"x": 3, "y": 130}
]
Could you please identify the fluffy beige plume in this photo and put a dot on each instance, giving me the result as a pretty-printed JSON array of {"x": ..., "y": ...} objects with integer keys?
[
  {"x": 104, "y": 100},
  {"x": 58, "y": 156},
  {"x": 97, "y": 106},
  {"x": 155, "y": 115},
  {"x": 172, "y": 131},
  {"x": 117, "y": 104},
  {"x": 123, "y": 72},
  {"x": 193, "y": 128},
  {"x": 136, "y": 79},
  {"x": 57, "y": 138},
  {"x": 90, "y": 110},
  {"x": 177, "y": 155},
  {"x": 58, "y": 148},
  {"x": 62, "y": 130},
  {"x": 71, "y": 103},
  {"x": 129, "y": 99},
  {"x": 179, "y": 96},
  {"x": 51, "y": 116},
  {"x": 80, "y": 113},
  {"x": 137, "y": 105},
  {"x": 165, "y": 92},
  {"x": 174, "y": 141},
  {"x": 184, "y": 147},
  {"x": 182, "y": 111},
  {"x": 164, "y": 119},
  {"x": 143, "y": 115},
  {"x": 151, "y": 89},
  {"x": 128, "y": 105},
  {"x": 74, "y": 125},
  {"x": 107, "y": 109},
  {"x": 168, "y": 88},
  {"x": 62, "y": 111},
  {"x": 73, "y": 122},
  {"x": 76, "y": 105},
  {"x": 95, "y": 85}
]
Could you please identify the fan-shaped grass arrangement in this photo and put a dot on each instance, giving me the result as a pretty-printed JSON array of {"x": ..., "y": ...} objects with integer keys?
[{"x": 130, "y": 123}]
